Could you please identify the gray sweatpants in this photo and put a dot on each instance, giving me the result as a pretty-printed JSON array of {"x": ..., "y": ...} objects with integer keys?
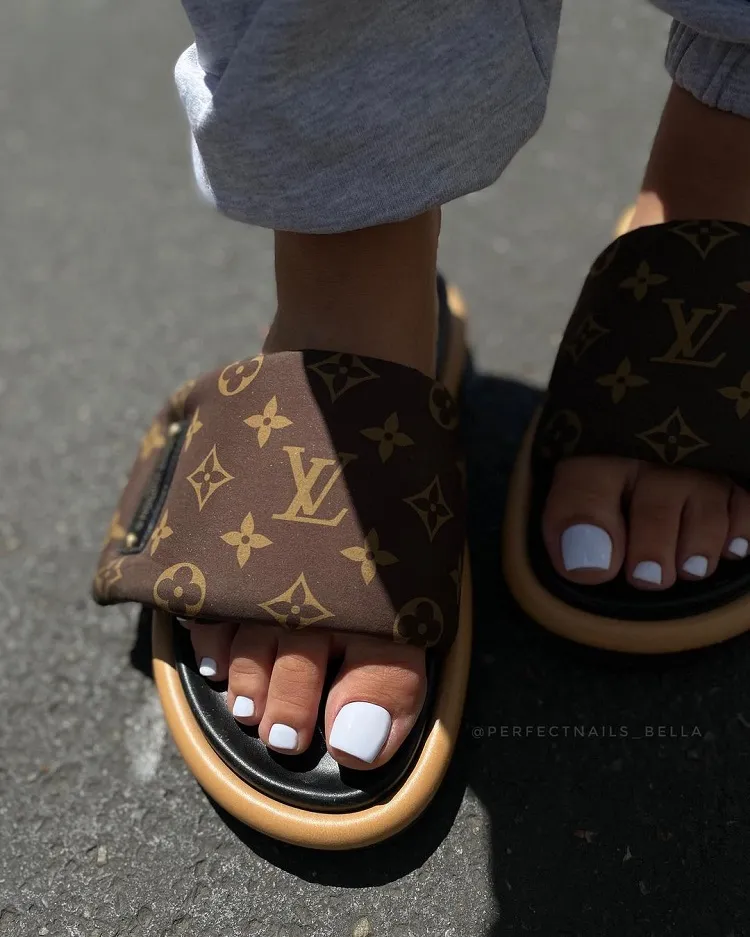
[{"x": 322, "y": 116}]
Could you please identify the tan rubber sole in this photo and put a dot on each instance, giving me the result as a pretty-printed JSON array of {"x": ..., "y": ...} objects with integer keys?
[
  {"x": 309, "y": 828},
  {"x": 632, "y": 637}
]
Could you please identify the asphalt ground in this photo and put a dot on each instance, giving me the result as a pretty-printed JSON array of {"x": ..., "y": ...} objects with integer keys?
[{"x": 116, "y": 283}]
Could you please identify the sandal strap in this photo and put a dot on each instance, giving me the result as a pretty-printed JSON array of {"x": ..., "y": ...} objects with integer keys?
[
  {"x": 305, "y": 489},
  {"x": 654, "y": 363}
]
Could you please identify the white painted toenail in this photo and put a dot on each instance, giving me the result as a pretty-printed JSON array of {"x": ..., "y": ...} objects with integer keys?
[
  {"x": 585, "y": 546},
  {"x": 648, "y": 571},
  {"x": 738, "y": 547},
  {"x": 696, "y": 565},
  {"x": 208, "y": 667},
  {"x": 243, "y": 707},
  {"x": 283, "y": 737},
  {"x": 361, "y": 729}
]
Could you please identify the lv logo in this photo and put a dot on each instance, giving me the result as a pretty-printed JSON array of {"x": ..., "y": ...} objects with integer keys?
[
  {"x": 303, "y": 507},
  {"x": 690, "y": 336}
]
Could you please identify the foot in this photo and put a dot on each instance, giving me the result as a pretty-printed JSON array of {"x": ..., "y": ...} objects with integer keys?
[
  {"x": 275, "y": 681},
  {"x": 369, "y": 293},
  {"x": 659, "y": 525}
]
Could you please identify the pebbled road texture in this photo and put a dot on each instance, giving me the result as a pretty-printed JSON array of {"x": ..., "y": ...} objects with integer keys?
[{"x": 116, "y": 283}]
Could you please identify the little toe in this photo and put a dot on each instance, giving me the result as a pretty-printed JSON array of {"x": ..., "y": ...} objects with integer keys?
[
  {"x": 211, "y": 643},
  {"x": 738, "y": 537},
  {"x": 294, "y": 692},
  {"x": 374, "y": 702},
  {"x": 584, "y": 529},
  {"x": 704, "y": 527},
  {"x": 251, "y": 659}
]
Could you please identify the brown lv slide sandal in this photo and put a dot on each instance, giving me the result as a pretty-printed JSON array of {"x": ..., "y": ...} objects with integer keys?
[
  {"x": 264, "y": 491},
  {"x": 653, "y": 366}
]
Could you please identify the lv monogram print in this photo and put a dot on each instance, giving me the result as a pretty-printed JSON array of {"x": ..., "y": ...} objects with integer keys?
[
  {"x": 654, "y": 363},
  {"x": 312, "y": 490}
]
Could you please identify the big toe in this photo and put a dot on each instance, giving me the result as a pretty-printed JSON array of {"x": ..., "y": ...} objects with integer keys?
[
  {"x": 374, "y": 702},
  {"x": 584, "y": 529}
]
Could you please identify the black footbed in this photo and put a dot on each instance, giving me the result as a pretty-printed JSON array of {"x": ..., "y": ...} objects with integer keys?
[
  {"x": 618, "y": 599},
  {"x": 312, "y": 780}
]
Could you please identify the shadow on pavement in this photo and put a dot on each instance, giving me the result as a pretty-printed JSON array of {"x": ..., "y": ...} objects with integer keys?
[
  {"x": 638, "y": 825},
  {"x": 615, "y": 786}
]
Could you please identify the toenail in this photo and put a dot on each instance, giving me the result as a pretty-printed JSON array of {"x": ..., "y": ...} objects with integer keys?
[
  {"x": 648, "y": 571},
  {"x": 283, "y": 737},
  {"x": 361, "y": 729},
  {"x": 696, "y": 565},
  {"x": 738, "y": 547},
  {"x": 585, "y": 546},
  {"x": 208, "y": 667},
  {"x": 243, "y": 707}
]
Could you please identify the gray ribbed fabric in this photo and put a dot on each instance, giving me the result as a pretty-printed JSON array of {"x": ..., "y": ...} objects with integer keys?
[{"x": 322, "y": 116}]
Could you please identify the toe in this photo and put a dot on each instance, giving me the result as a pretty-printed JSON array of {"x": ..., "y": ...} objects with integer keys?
[
  {"x": 294, "y": 692},
  {"x": 704, "y": 527},
  {"x": 654, "y": 516},
  {"x": 374, "y": 701},
  {"x": 211, "y": 643},
  {"x": 584, "y": 530},
  {"x": 250, "y": 665},
  {"x": 738, "y": 537}
]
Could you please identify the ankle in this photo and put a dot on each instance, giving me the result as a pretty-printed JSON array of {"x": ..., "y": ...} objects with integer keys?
[{"x": 369, "y": 292}]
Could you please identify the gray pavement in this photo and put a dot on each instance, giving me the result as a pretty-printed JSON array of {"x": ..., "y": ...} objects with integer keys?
[{"x": 116, "y": 283}]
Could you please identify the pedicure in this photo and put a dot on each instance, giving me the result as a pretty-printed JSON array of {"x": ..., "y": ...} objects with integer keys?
[
  {"x": 738, "y": 547},
  {"x": 285, "y": 738},
  {"x": 648, "y": 571},
  {"x": 696, "y": 566},
  {"x": 208, "y": 667},
  {"x": 243, "y": 707},
  {"x": 361, "y": 729},
  {"x": 585, "y": 546}
]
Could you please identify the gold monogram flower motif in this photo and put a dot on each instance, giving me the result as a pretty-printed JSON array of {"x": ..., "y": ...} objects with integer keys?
[
  {"x": 245, "y": 539},
  {"x": 107, "y": 576},
  {"x": 181, "y": 590},
  {"x": 370, "y": 556},
  {"x": 267, "y": 421},
  {"x": 161, "y": 532},
  {"x": 583, "y": 337},
  {"x": 704, "y": 235},
  {"x": 431, "y": 507},
  {"x": 208, "y": 477},
  {"x": 739, "y": 394},
  {"x": 419, "y": 622},
  {"x": 388, "y": 436},
  {"x": 342, "y": 372},
  {"x": 297, "y": 607},
  {"x": 178, "y": 398},
  {"x": 443, "y": 407},
  {"x": 115, "y": 531},
  {"x": 673, "y": 439},
  {"x": 239, "y": 375},
  {"x": 642, "y": 280},
  {"x": 152, "y": 441},
  {"x": 560, "y": 436},
  {"x": 621, "y": 380},
  {"x": 195, "y": 426}
]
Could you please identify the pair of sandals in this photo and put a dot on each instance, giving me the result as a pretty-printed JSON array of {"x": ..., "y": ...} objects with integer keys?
[{"x": 265, "y": 491}]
